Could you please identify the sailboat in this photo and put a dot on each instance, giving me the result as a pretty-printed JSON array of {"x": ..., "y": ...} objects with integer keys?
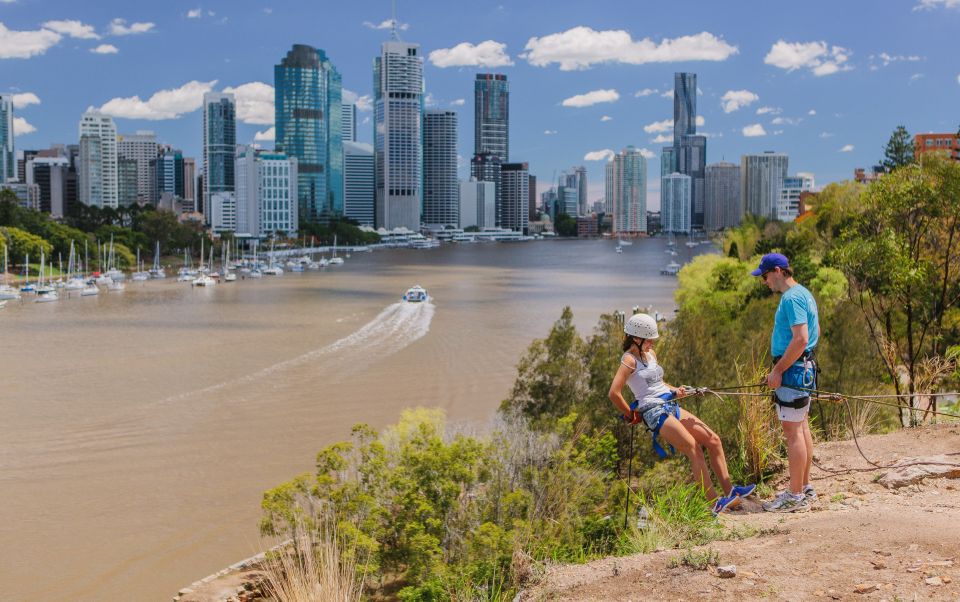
[
  {"x": 140, "y": 275},
  {"x": 45, "y": 293},
  {"x": 203, "y": 279},
  {"x": 7, "y": 291},
  {"x": 156, "y": 271},
  {"x": 334, "y": 260},
  {"x": 228, "y": 274},
  {"x": 27, "y": 287},
  {"x": 273, "y": 270}
]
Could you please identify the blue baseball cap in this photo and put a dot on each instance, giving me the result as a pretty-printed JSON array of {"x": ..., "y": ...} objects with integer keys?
[{"x": 769, "y": 262}]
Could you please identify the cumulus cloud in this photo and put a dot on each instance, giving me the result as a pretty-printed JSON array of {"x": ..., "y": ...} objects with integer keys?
[
  {"x": 549, "y": 132},
  {"x": 666, "y": 94},
  {"x": 363, "y": 103},
  {"x": 254, "y": 102},
  {"x": 812, "y": 112},
  {"x": 25, "y": 99},
  {"x": 268, "y": 134},
  {"x": 826, "y": 134},
  {"x": 25, "y": 44},
  {"x": 785, "y": 121},
  {"x": 886, "y": 59},
  {"x": 847, "y": 148},
  {"x": 465, "y": 54},
  {"x": 606, "y": 118},
  {"x": 661, "y": 138},
  {"x": 599, "y": 155},
  {"x": 734, "y": 100},
  {"x": 647, "y": 154},
  {"x": 74, "y": 29},
  {"x": 754, "y": 130},
  {"x": 105, "y": 49},
  {"x": 932, "y": 4},
  {"x": 646, "y": 92},
  {"x": 770, "y": 110},
  {"x": 194, "y": 13},
  {"x": 21, "y": 127},
  {"x": 818, "y": 57},
  {"x": 459, "y": 102},
  {"x": 119, "y": 27},
  {"x": 582, "y": 47},
  {"x": 659, "y": 126},
  {"x": 388, "y": 24},
  {"x": 591, "y": 98},
  {"x": 165, "y": 104}
]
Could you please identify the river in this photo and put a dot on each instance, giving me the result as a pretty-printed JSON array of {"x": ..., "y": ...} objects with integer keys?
[{"x": 138, "y": 430}]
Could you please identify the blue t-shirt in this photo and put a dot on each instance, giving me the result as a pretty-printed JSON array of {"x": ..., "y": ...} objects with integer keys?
[{"x": 797, "y": 306}]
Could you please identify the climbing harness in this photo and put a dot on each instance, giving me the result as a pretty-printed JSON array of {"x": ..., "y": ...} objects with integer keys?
[{"x": 668, "y": 408}]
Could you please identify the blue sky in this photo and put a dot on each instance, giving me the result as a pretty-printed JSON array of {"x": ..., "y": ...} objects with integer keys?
[{"x": 825, "y": 82}]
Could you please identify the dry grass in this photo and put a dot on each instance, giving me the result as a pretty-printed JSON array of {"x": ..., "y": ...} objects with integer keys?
[{"x": 758, "y": 430}]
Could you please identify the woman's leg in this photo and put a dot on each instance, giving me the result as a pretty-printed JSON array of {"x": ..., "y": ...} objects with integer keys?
[
  {"x": 705, "y": 436},
  {"x": 674, "y": 433}
]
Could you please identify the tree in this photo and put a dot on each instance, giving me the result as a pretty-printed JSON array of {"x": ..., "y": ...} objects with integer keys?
[
  {"x": 899, "y": 150},
  {"x": 22, "y": 243},
  {"x": 566, "y": 225}
]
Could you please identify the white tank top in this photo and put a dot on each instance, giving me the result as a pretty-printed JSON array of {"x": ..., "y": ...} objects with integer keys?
[{"x": 646, "y": 381}]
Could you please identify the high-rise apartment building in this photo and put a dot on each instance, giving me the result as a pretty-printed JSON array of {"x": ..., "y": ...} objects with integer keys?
[
  {"x": 97, "y": 175},
  {"x": 722, "y": 196},
  {"x": 358, "y": 191},
  {"x": 675, "y": 203},
  {"x": 169, "y": 171},
  {"x": 491, "y": 124},
  {"x": 692, "y": 162},
  {"x": 141, "y": 147},
  {"x": 761, "y": 178},
  {"x": 266, "y": 194},
  {"x": 788, "y": 202},
  {"x": 486, "y": 167},
  {"x": 219, "y": 145},
  {"x": 626, "y": 191},
  {"x": 8, "y": 157},
  {"x": 127, "y": 184},
  {"x": 515, "y": 182},
  {"x": 668, "y": 161},
  {"x": 348, "y": 121},
  {"x": 441, "y": 189},
  {"x": 190, "y": 183},
  {"x": 308, "y": 92},
  {"x": 223, "y": 211},
  {"x": 398, "y": 152},
  {"x": 478, "y": 204},
  {"x": 49, "y": 173},
  {"x": 532, "y": 209}
]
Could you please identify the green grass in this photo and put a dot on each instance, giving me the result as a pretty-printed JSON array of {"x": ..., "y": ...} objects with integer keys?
[
  {"x": 696, "y": 559},
  {"x": 837, "y": 497}
]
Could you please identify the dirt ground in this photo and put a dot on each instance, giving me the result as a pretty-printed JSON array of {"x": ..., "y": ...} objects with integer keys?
[{"x": 889, "y": 544}]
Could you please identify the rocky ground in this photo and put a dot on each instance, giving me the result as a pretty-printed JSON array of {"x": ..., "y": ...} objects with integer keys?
[{"x": 862, "y": 540}]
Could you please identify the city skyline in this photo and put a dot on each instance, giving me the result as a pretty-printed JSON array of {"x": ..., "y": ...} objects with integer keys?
[{"x": 807, "y": 85}]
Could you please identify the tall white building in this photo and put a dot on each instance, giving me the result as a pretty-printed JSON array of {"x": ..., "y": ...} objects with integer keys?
[
  {"x": 142, "y": 147},
  {"x": 761, "y": 178},
  {"x": 478, "y": 204},
  {"x": 223, "y": 212},
  {"x": 97, "y": 173},
  {"x": 515, "y": 197},
  {"x": 348, "y": 121},
  {"x": 358, "y": 191},
  {"x": 675, "y": 207},
  {"x": 788, "y": 203},
  {"x": 398, "y": 135},
  {"x": 626, "y": 191},
  {"x": 441, "y": 191},
  {"x": 8, "y": 158},
  {"x": 266, "y": 193}
]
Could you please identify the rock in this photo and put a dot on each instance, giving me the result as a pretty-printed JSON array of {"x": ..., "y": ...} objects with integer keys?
[
  {"x": 878, "y": 564},
  {"x": 946, "y": 579},
  {"x": 865, "y": 588},
  {"x": 934, "y": 581},
  {"x": 922, "y": 468},
  {"x": 819, "y": 593},
  {"x": 726, "y": 572},
  {"x": 834, "y": 594},
  {"x": 881, "y": 552}
]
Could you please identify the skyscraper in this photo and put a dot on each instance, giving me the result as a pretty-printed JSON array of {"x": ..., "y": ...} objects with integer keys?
[
  {"x": 348, "y": 121},
  {"x": 684, "y": 106},
  {"x": 49, "y": 173},
  {"x": 441, "y": 189},
  {"x": 689, "y": 150},
  {"x": 668, "y": 161},
  {"x": 692, "y": 162},
  {"x": 126, "y": 181},
  {"x": 266, "y": 193},
  {"x": 97, "y": 175},
  {"x": 478, "y": 202},
  {"x": 626, "y": 191},
  {"x": 491, "y": 124},
  {"x": 358, "y": 193},
  {"x": 515, "y": 180},
  {"x": 308, "y": 105},
  {"x": 532, "y": 203},
  {"x": 761, "y": 178},
  {"x": 142, "y": 147},
  {"x": 722, "y": 196},
  {"x": 8, "y": 158},
  {"x": 675, "y": 203},
  {"x": 168, "y": 168},
  {"x": 219, "y": 145},
  {"x": 486, "y": 167},
  {"x": 788, "y": 202},
  {"x": 398, "y": 99},
  {"x": 190, "y": 183}
]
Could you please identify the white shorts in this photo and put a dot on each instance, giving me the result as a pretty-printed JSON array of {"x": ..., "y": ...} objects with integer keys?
[{"x": 792, "y": 414}]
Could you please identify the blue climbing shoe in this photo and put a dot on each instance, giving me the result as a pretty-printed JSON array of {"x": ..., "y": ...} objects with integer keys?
[
  {"x": 742, "y": 490},
  {"x": 723, "y": 502}
]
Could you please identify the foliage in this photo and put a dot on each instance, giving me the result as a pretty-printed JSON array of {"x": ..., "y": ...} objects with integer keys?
[
  {"x": 346, "y": 231},
  {"x": 21, "y": 243},
  {"x": 899, "y": 150},
  {"x": 696, "y": 559},
  {"x": 566, "y": 225}
]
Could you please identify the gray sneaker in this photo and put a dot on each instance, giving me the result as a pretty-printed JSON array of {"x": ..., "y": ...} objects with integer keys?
[
  {"x": 810, "y": 493},
  {"x": 786, "y": 502}
]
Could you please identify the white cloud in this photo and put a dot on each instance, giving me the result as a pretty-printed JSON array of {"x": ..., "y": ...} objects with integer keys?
[
  {"x": 847, "y": 148},
  {"x": 25, "y": 44},
  {"x": 958, "y": 78},
  {"x": 606, "y": 118},
  {"x": 600, "y": 155},
  {"x": 195, "y": 13},
  {"x": 459, "y": 102},
  {"x": 74, "y": 29},
  {"x": 549, "y": 132},
  {"x": 582, "y": 47},
  {"x": 429, "y": 100},
  {"x": 700, "y": 120},
  {"x": 915, "y": 77},
  {"x": 364, "y": 103},
  {"x": 647, "y": 154},
  {"x": 826, "y": 134},
  {"x": 932, "y": 4},
  {"x": 659, "y": 126},
  {"x": 819, "y": 58},
  {"x": 465, "y": 54},
  {"x": 661, "y": 138},
  {"x": 266, "y": 135},
  {"x": 667, "y": 94},
  {"x": 886, "y": 59},
  {"x": 366, "y": 120},
  {"x": 734, "y": 100},
  {"x": 119, "y": 27},
  {"x": 165, "y": 104},
  {"x": 105, "y": 49},
  {"x": 21, "y": 127},
  {"x": 591, "y": 98},
  {"x": 25, "y": 99},
  {"x": 812, "y": 112},
  {"x": 254, "y": 102},
  {"x": 645, "y": 92},
  {"x": 388, "y": 24},
  {"x": 770, "y": 110},
  {"x": 754, "y": 130},
  {"x": 785, "y": 121}
]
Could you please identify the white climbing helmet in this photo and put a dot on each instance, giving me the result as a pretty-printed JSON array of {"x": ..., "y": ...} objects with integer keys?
[{"x": 642, "y": 326}]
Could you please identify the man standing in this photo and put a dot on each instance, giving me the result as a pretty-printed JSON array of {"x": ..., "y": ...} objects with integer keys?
[{"x": 796, "y": 332}]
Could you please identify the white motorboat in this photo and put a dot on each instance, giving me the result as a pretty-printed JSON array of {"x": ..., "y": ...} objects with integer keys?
[
  {"x": 672, "y": 269},
  {"x": 255, "y": 273},
  {"x": 204, "y": 280},
  {"x": 273, "y": 271},
  {"x": 336, "y": 261},
  {"x": 116, "y": 286},
  {"x": 8, "y": 292},
  {"x": 46, "y": 295},
  {"x": 230, "y": 277},
  {"x": 416, "y": 294},
  {"x": 90, "y": 290}
]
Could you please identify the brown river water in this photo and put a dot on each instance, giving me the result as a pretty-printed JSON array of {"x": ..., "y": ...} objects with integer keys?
[{"x": 138, "y": 430}]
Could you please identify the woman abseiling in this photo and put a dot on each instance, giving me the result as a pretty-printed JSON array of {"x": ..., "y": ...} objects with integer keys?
[{"x": 655, "y": 406}]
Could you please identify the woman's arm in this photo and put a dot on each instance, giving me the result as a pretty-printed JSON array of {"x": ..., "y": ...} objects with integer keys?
[{"x": 619, "y": 380}]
